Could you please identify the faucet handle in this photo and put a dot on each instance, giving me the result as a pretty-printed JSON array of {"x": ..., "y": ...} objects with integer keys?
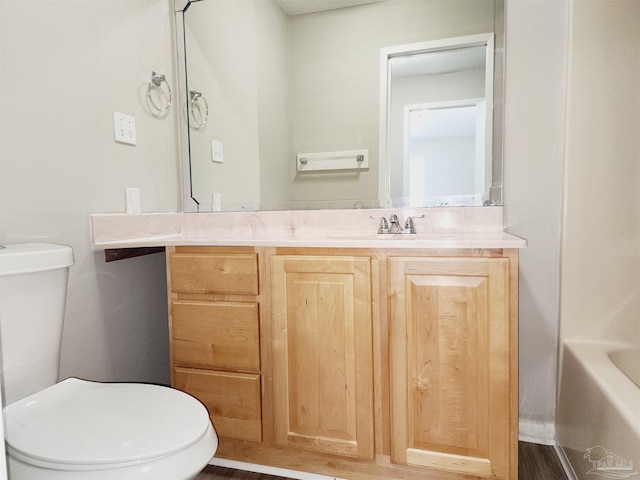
[
  {"x": 409, "y": 227},
  {"x": 384, "y": 225}
]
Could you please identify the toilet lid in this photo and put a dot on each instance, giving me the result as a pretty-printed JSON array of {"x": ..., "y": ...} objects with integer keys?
[{"x": 86, "y": 423}]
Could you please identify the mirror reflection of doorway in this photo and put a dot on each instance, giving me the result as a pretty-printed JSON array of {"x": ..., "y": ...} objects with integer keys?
[
  {"x": 448, "y": 87},
  {"x": 444, "y": 153}
]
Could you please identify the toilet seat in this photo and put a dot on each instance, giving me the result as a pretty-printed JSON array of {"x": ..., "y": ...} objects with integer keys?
[{"x": 82, "y": 425}]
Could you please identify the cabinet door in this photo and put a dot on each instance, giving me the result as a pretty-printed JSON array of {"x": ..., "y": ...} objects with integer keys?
[
  {"x": 323, "y": 370},
  {"x": 450, "y": 363}
]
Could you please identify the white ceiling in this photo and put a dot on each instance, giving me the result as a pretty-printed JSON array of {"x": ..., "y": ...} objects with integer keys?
[
  {"x": 300, "y": 7},
  {"x": 438, "y": 62}
]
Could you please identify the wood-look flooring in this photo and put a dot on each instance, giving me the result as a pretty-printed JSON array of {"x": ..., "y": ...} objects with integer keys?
[
  {"x": 539, "y": 462},
  {"x": 535, "y": 462}
]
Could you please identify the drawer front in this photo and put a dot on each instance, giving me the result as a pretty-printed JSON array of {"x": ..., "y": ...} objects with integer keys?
[
  {"x": 214, "y": 273},
  {"x": 233, "y": 400},
  {"x": 217, "y": 335}
]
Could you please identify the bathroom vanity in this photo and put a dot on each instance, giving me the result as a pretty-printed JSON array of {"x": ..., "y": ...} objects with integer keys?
[{"x": 351, "y": 355}]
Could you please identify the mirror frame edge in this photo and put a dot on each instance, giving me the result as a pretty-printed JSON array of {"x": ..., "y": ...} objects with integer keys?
[
  {"x": 189, "y": 204},
  {"x": 499, "y": 95}
]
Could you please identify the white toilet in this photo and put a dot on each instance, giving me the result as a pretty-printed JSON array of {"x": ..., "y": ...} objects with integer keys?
[{"x": 77, "y": 429}]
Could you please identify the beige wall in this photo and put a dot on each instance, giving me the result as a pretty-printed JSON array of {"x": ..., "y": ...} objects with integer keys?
[
  {"x": 246, "y": 88},
  {"x": 273, "y": 106},
  {"x": 66, "y": 66},
  {"x": 536, "y": 46}
]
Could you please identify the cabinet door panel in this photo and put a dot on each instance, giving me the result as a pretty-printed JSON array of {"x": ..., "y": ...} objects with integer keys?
[
  {"x": 449, "y": 363},
  {"x": 323, "y": 354}
]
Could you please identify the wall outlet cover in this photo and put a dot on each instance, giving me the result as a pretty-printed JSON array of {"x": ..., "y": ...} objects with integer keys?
[
  {"x": 124, "y": 127},
  {"x": 132, "y": 201},
  {"x": 216, "y": 202}
]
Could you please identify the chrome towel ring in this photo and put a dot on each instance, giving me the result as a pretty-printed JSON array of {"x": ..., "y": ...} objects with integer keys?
[
  {"x": 196, "y": 105},
  {"x": 157, "y": 79}
]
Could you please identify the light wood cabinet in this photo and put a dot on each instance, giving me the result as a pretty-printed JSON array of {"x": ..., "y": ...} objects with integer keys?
[
  {"x": 215, "y": 335},
  {"x": 322, "y": 349},
  {"x": 193, "y": 271},
  {"x": 353, "y": 363},
  {"x": 450, "y": 363}
]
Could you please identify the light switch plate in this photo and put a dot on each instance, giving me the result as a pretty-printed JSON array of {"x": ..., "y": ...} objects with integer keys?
[
  {"x": 124, "y": 127},
  {"x": 217, "y": 154}
]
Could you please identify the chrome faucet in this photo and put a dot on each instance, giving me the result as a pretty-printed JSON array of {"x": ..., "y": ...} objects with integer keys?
[{"x": 393, "y": 225}]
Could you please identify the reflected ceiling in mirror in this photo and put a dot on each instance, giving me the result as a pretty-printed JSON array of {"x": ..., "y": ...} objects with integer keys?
[{"x": 275, "y": 85}]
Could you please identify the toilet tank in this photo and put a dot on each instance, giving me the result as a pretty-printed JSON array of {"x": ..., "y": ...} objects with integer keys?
[{"x": 33, "y": 289}]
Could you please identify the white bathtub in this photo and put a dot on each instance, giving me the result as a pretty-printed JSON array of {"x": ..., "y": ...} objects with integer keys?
[
  {"x": 627, "y": 359},
  {"x": 598, "y": 416}
]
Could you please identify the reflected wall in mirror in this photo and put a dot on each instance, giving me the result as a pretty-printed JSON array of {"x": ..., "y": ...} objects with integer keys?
[{"x": 280, "y": 83}]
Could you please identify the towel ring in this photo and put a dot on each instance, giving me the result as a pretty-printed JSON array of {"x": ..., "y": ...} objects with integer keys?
[
  {"x": 156, "y": 82},
  {"x": 195, "y": 105}
]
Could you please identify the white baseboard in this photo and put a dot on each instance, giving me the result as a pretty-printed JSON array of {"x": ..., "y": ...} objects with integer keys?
[
  {"x": 264, "y": 469},
  {"x": 534, "y": 431}
]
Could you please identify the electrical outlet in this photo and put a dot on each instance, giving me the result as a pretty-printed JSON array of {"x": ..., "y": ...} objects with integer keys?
[
  {"x": 217, "y": 155},
  {"x": 124, "y": 127},
  {"x": 132, "y": 200},
  {"x": 216, "y": 202}
]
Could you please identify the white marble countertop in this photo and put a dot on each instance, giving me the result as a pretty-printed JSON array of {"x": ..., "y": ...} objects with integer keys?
[
  {"x": 343, "y": 240},
  {"x": 442, "y": 228}
]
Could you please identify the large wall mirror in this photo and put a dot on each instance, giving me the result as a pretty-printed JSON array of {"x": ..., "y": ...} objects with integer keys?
[{"x": 318, "y": 104}]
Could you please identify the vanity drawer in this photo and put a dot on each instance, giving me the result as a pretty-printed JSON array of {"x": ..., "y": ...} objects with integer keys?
[
  {"x": 233, "y": 400},
  {"x": 214, "y": 273},
  {"x": 219, "y": 335}
]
